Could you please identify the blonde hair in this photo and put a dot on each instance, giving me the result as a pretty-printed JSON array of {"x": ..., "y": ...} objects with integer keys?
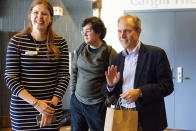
[
  {"x": 136, "y": 21},
  {"x": 50, "y": 32}
]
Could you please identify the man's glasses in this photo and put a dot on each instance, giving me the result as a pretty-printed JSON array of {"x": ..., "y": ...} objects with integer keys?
[{"x": 88, "y": 31}]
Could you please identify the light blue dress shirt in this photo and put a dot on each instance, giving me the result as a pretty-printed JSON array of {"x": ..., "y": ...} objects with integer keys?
[{"x": 130, "y": 65}]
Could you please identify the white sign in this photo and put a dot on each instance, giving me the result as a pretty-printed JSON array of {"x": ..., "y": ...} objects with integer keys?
[{"x": 158, "y": 4}]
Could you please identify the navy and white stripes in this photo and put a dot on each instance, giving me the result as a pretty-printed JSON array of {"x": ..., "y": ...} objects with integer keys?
[{"x": 39, "y": 75}]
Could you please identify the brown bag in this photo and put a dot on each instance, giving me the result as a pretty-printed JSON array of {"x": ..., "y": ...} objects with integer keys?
[{"x": 121, "y": 120}]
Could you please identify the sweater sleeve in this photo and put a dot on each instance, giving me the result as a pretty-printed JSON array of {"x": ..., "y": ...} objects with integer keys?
[
  {"x": 63, "y": 70},
  {"x": 105, "y": 90},
  {"x": 12, "y": 68},
  {"x": 112, "y": 55},
  {"x": 74, "y": 71}
]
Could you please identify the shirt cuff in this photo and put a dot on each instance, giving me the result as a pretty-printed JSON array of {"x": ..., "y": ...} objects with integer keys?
[{"x": 110, "y": 89}]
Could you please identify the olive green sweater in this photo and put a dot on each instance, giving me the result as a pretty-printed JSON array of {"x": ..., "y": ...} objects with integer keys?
[{"x": 88, "y": 73}]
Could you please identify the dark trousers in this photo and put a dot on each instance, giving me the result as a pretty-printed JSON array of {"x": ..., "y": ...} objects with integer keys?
[{"x": 85, "y": 116}]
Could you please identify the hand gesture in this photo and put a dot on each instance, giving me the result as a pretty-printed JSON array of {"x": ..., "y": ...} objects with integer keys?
[{"x": 112, "y": 76}]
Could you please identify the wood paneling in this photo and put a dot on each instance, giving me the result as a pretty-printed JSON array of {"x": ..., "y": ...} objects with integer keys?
[{"x": 5, "y": 122}]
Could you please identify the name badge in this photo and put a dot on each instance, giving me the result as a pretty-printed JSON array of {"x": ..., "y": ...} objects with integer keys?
[{"x": 31, "y": 53}]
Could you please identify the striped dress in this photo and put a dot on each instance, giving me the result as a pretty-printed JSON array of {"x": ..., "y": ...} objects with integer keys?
[{"x": 40, "y": 76}]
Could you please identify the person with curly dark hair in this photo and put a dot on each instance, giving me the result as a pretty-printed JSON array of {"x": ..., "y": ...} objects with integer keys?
[{"x": 88, "y": 76}]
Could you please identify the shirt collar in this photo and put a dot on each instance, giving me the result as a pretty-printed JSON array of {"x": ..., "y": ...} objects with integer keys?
[{"x": 134, "y": 51}]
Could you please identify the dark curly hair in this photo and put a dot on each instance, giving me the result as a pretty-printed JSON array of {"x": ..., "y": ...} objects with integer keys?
[{"x": 97, "y": 25}]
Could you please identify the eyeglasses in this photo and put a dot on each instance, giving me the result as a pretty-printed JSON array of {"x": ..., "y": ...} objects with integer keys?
[{"x": 86, "y": 31}]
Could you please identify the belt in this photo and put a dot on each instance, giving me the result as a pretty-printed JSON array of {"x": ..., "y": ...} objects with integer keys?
[{"x": 134, "y": 109}]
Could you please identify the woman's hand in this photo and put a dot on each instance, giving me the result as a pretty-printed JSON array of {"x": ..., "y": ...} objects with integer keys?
[
  {"x": 45, "y": 120},
  {"x": 47, "y": 112}
]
